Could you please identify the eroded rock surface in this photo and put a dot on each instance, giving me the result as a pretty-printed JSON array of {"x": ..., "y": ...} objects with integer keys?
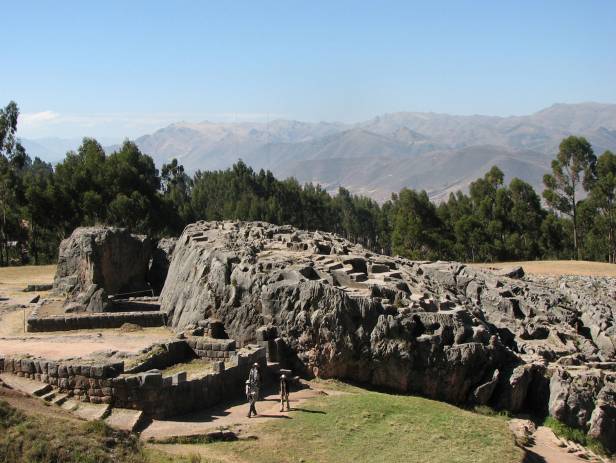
[{"x": 441, "y": 329}]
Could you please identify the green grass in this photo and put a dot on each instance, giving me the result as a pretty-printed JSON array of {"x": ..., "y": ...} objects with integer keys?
[
  {"x": 575, "y": 435},
  {"x": 374, "y": 427}
]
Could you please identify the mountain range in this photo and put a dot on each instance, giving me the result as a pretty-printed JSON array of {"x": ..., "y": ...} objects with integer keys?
[{"x": 439, "y": 153}]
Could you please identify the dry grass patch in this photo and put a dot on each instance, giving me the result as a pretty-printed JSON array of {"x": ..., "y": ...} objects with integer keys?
[
  {"x": 558, "y": 267},
  {"x": 195, "y": 368},
  {"x": 15, "y": 279}
]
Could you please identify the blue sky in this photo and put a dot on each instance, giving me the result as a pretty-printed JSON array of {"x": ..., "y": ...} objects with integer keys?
[{"x": 123, "y": 68}]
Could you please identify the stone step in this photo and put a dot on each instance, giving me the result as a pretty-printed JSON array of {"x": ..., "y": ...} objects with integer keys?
[
  {"x": 49, "y": 396},
  {"x": 25, "y": 385},
  {"x": 125, "y": 419},
  {"x": 358, "y": 276},
  {"x": 333, "y": 266},
  {"x": 86, "y": 410},
  {"x": 55, "y": 397}
]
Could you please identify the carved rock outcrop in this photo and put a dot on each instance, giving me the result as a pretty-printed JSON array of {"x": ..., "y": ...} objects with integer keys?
[{"x": 441, "y": 329}]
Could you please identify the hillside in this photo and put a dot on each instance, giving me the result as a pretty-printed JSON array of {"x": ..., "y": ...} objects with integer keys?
[{"x": 440, "y": 153}]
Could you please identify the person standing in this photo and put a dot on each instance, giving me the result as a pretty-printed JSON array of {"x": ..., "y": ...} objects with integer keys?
[
  {"x": 255, "y": 380},
  {"x": 252, "y": 399},
  {"x": 284, "y": 393}
]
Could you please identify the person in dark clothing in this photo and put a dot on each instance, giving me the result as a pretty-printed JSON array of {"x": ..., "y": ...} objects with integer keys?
[
  {"x": 252, "y": 399},
  {"x": 255, "y": 380}
]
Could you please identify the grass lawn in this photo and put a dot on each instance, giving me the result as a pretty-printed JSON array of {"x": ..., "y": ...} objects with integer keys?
[{"x": 365, "y": 426}]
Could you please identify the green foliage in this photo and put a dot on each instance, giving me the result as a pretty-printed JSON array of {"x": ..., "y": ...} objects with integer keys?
[
  {"x": 574, "y": 435},
  {"x": 573, "y": 168},
  {"x": 603, "y": 201}
]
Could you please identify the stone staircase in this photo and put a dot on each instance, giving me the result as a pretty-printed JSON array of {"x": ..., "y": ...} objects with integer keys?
[{"x": 118, "y": 418}]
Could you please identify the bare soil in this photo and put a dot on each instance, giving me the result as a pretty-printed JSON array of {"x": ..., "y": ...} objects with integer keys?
[{"x": 15, "y": 308}]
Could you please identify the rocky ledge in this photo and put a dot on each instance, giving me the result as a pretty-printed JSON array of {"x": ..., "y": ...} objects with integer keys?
[{"x": 441, "y": 329}]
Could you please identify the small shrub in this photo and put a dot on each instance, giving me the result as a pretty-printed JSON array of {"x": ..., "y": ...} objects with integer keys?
[{"x": 489, "y": 411}]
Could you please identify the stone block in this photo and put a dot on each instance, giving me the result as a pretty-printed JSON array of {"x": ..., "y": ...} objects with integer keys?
[
  {"x": 218, "y": 367},
  {"x": 152, "y": 379},
  {"x": 97, "y": 371},
  {"x": 52, "y": 369},
  {"x": 262, "y": 333},
  {"x": 179, "y": 378}
]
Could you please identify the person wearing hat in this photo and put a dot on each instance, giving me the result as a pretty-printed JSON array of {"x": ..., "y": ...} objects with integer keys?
[
  {"x": 252, "y": 399},
  {"x": 284, "y": 392},
  {"x": 255, "y": 380}
]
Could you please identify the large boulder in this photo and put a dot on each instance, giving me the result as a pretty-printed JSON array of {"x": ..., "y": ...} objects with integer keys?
[
  {"x": 98, "y": 261},
  {"x": 572, "y": 397},
  {"x": 603, "y": 419}
]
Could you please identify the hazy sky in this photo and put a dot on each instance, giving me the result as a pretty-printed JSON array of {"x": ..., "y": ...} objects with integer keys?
[{"x": 125, "y": 68}]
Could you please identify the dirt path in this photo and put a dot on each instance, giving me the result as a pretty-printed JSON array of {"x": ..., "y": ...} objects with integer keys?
[
  {"x": 545, "y": 447},
  {"x": 231, "y": 415}
]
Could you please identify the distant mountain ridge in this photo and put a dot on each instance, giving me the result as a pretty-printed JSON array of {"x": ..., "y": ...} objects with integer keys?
[{"x": 440, "y": 153}]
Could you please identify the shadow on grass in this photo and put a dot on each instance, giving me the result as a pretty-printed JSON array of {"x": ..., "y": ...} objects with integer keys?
[
  {"x": 306, "y": 410},
  {"x": 264, "y": 415}
]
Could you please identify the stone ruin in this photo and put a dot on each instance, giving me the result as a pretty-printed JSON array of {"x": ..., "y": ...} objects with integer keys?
[{"x": 323, "y": 306}]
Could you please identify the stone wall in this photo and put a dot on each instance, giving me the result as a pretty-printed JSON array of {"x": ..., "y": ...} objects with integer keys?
[
  {"x": 212, "y": 349},
  {"x": 161, "y": 356},
  {"x": 89, "y": 382},
  {"x": 162, "y": 397},
  {"x": 93, "y": 321},
  {"x": 158, "y": 396}
]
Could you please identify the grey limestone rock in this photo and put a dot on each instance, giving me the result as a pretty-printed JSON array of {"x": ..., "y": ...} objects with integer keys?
[
  {"x": 441, "y": 329},
  {"x": 101, "y": 258}
]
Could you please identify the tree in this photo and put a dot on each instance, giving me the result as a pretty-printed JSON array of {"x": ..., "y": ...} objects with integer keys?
[
  {"x": 416, "y": 226},
  {"x": 603, "y": 197},
  {"x": 13, "y": 159},
  {"x": 573, "y": 168},
  {"x": 525, "y": 217},
  {"x": 38, "y": 186}
]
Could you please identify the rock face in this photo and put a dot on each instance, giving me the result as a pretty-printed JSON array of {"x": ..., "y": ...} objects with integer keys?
[
  {"x": 441, "y": 329},
  {"x": 98, "y": 261}
]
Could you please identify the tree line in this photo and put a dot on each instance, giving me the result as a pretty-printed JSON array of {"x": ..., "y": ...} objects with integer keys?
[{"x": 41, "y": 204}]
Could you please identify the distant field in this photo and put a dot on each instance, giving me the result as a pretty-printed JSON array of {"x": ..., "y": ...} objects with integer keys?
[{"x": 559, "y": 267}]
